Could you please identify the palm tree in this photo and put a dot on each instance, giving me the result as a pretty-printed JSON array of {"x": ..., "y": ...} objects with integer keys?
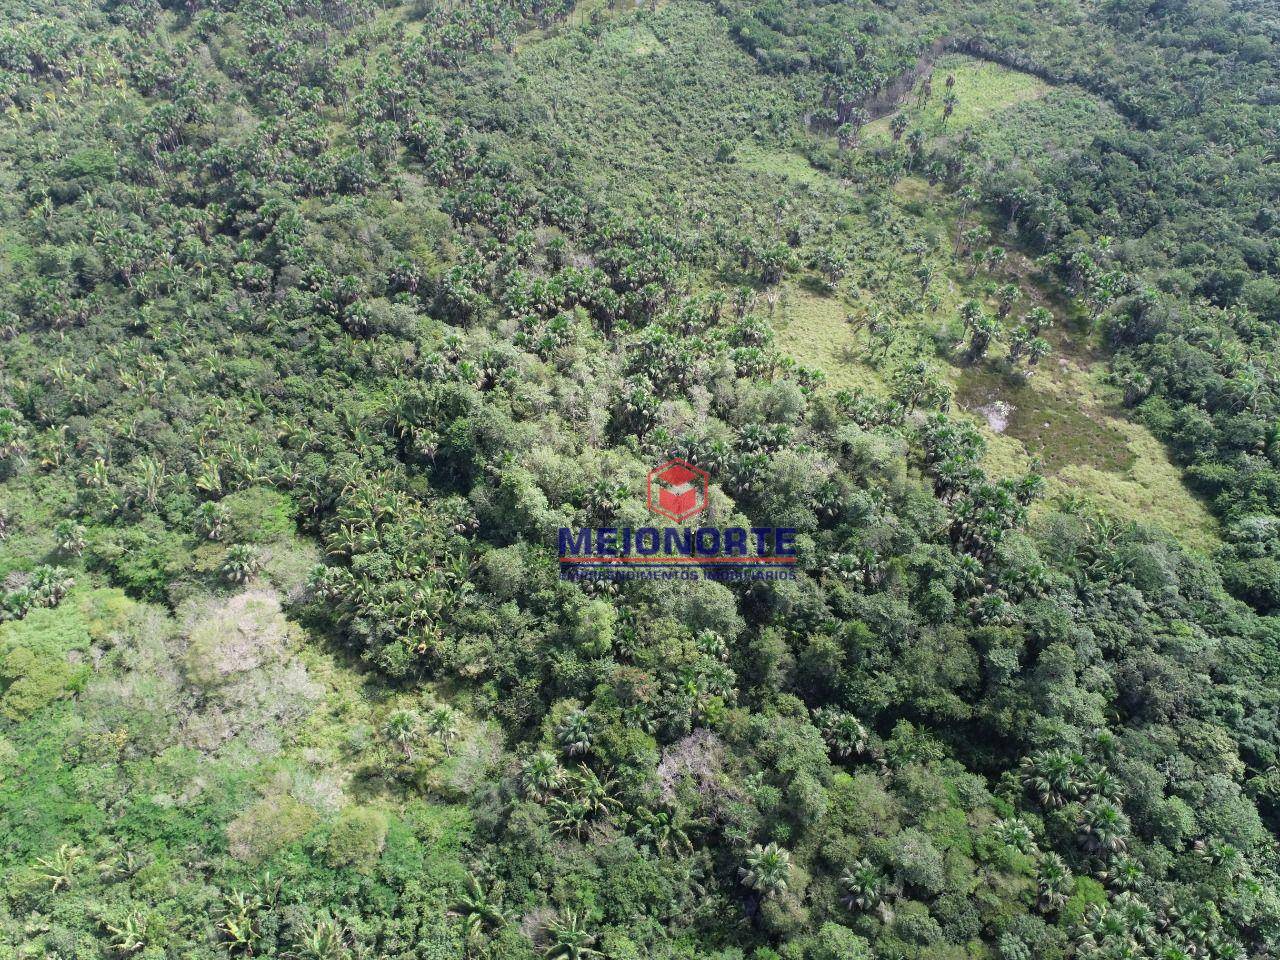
[
  {"x": 767, "y": 870},
  {"x": 211, "y": 519},
  {"x": 541, "y": 775},
  {"x": 1055, "y": 882},
  {"x": 15, "y": 604},
  {"x": 1015, "y": 833},
  {"x": 981, "y": 327},
  {"x": 594, "y": 794},
  {"x": 49, "y": 584},
  {"x": 1102, "y": 827},
  {"x": 325, "y": 939},
  {"x": 1125, "y": 873},
  {"x": 659, "y": 829},
  {"x": 949, "y": 101},
  {"x": 1053, "y": 776},
  {"x": 1219, "y": 855},
  {"x": 61, "y": 867},
  {"x": 1101, "y": 782},
  {"x": 844, "y": 733},
  {"x": 926, "y": 89},
  {"x": 847, "y": 133},
  {"x": 403, "y": 728},
  {"x": 70, "y": 537},
  {"x": 480, "y": 915},
  {"x": 915, "y": 143},
  {"x": 1104, "y": 931},
  {"x": 570, "y": 939},
  {"x": 442, "y": 723},
  {"x": 863, "y": 886},
  {"x": 241, "y": 563},
  {"x": 575, "y": 733}
]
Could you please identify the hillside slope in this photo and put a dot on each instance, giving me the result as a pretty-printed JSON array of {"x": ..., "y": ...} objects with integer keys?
[{"x": 321, "y": 321}]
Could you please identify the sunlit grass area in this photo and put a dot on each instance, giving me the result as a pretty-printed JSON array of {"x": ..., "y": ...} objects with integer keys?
[
  {"x": 1066, "y": 419},
  {"x": 813, "y": 329},
  {"x": 984, "y": 91},
  {"x": 1062, "y": 416}
]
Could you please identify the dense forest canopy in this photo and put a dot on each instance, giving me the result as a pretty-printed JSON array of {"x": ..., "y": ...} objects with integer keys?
[{"x": 319, "y": 321}]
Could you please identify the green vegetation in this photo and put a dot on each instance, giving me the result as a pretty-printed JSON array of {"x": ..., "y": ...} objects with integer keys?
[
  {"x": 985, "y": 97},
  {"x": 318, "y": 322}
]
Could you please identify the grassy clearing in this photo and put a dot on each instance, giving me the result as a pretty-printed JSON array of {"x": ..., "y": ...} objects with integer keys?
[
  {"x": 1150, "y": 489},
  {"x": 632, "y": 42},
  {"x": 1060, "y": 417},
  {"x": 1049, "y": 416},
  {"x": 1061, "y": 120},
  {"x": 984, "y": 91},
  {"x": 812, "y": 328},
  {"x": 780, "y": 163},
  {"x": 1066, "y": 417}
]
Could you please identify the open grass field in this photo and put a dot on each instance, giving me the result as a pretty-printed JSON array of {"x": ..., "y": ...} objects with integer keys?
[
  {"x": 813, "y": 329},
  {"x": 775, "y": 162},
  {"x": 984, "y": 92},
  {"x": 1063, "y": 416},
  {"x": 1068, "y": 419}
]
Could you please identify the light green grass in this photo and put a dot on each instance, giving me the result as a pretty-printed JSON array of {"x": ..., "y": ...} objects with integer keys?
[
  {"x": 983, "y": 90},
  {"x": 1064, "y": 416},
  {"x": 631, "y": 42},
  {"x": 1088, "y": 448},
  {"x": 780, "y": 163},
  {"x": 812, "y": 329},
  {"x": 1054, "y": 420}
]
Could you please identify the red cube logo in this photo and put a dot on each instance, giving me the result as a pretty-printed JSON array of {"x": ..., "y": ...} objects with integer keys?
[{"x": 677, "y": 490}]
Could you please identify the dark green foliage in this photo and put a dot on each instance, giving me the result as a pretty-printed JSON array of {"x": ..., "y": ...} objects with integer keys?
[{"x": 365, "y": 292}]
